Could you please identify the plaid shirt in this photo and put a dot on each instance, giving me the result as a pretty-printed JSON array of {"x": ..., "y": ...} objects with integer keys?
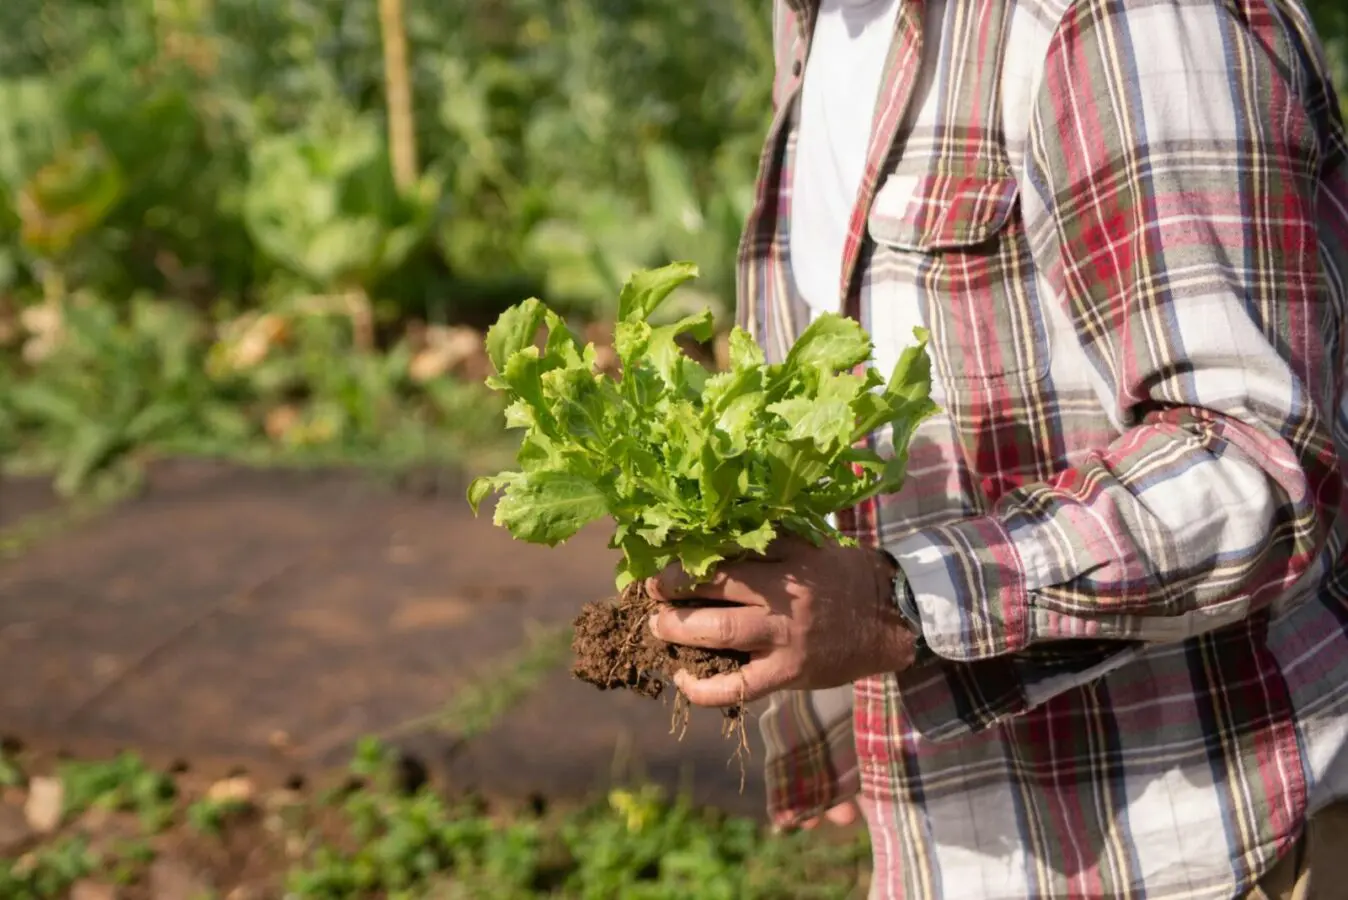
[{"x": 1125, "y": 224}]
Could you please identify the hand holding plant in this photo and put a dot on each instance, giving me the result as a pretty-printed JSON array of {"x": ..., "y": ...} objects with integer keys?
[
  {"x": 694, "y": 468},
  {"x": 807, "y": 617}
]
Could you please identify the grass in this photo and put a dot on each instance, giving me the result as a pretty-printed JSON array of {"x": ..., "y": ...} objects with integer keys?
[{"x": 376, "y": 838}]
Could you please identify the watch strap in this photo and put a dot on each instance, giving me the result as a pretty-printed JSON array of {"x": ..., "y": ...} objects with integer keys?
[{"x": 905, "y": 601}]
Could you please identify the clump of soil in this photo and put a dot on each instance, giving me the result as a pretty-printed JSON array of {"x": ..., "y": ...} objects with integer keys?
[{"x": 615, "y": 650}]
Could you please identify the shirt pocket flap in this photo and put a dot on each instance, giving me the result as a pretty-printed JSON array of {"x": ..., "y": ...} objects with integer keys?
[{"x": 932, "y": 213}]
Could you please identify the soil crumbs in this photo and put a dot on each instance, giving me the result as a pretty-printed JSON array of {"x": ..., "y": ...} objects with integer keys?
[{"x": 615, "y": 650}]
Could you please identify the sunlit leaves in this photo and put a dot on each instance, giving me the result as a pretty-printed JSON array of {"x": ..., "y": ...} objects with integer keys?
[{"x": 692, "y": 466}]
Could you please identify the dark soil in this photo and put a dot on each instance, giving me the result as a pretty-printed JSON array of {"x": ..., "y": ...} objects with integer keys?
[{"x": 614, "y": 649}]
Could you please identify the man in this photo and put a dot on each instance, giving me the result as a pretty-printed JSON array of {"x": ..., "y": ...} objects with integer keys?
[{"x": 1096, "y": 646}]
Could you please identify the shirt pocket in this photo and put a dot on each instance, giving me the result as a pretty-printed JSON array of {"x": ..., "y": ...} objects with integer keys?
[{"x": 954, "y": 251}]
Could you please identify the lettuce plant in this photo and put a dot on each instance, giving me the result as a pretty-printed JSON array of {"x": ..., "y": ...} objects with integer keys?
[{"x": 693, "y": 466}]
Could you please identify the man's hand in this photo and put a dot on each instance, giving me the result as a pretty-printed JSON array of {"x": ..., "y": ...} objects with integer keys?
[
  {"x": 844, "y": 813},
  {"x": 809, "y": 617}
]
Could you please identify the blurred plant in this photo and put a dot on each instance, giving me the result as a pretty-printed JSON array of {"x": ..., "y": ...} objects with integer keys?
[
  {"x": 314, "y": 402},
  {"x": 125, "y": 145},
  {"x": 68, "y": 198},
  {"x": 1331, "y": 20},
  {"x": 62, "y": 204},
  {"x": 223, "y": 119},
  {"x": 611, "y": 236},
  {"x": 9, "y": 422},
  {"x": 108, "y": 387},
  {"x": 322, "y": 202},
  {"x": 409, "y": 404}
]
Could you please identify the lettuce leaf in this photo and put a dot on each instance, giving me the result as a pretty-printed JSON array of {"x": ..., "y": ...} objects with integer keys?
[{"x": 690, "y": 465}]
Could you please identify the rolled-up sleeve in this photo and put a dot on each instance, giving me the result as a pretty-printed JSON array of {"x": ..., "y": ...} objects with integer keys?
[{"x": 1170, "y": 193}]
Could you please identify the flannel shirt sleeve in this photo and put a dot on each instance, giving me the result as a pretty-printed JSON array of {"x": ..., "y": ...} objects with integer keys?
[{"x": 1170, "y": 192}]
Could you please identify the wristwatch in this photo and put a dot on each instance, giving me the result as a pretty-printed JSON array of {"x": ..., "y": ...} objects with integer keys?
[{"x": 905, "y": 602}]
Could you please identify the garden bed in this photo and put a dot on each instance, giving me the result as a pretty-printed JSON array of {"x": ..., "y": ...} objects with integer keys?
[{"x": 115, "y": 829}]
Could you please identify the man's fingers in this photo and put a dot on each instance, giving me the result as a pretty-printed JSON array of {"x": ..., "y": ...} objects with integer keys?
[
  {"x": 730, "y": 582},
  {"x": 845, "y": 813},
  {"x": 842, "y": 814},
  {"x": 746, "y": 582},
  {"x": 673, "y": 583},
  {"x": 717, "y": 627},
  {"x": 752, "y": 682}
]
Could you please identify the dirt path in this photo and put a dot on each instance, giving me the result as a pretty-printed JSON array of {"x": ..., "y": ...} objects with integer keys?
[
  {"x": 22, "y": 498},
  {"x": 266, "y": 620}
]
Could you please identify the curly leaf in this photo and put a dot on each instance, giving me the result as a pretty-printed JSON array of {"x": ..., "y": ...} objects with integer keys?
[
  {"x": 693, "y": 466},
  {"x": 549, "y": 507},
  {"x": 832, "y": 343},
  {"x": 645, "y": 291},
  {"x": 514, "y": 331}
]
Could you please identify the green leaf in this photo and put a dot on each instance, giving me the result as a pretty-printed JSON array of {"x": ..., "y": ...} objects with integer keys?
[
  {"x": 745, "y": 354},
  {"x": 719, "y": 481},
  {"x": 640, "y": 559},
  {"x": 656, "y": 524},
  {"x": 483, "y": 487},
  {"x": 832, "y": 343},
  {"x": 911, "y": 379},
  {"x": 827, "y": 418},
  {"x": 759, "y": 539},
  {"x": 519, "y": 415},
  {"x": 741, "y": 421},
  {"x": 579, "y": 405},
  {"x": 630, "y": 340},
  {"x": 564, "y": 347},
  {"x": 513, "y": 331},
  {"x": 794, "y": 465},
  {"x": 699, "y": 557},
  {"x": 537, "y": 452},
  {"x": 549, "y": 507},
  {"x": 663, "y": 350},
  {"x": 685, "y": 437},
  {"x": 646, "y": 290},
  {"x": 689, "y": 465},
  {"x": 524, "y": 376}
]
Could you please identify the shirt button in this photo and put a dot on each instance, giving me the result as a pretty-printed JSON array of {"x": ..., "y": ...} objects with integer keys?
[{"x": 796, "y": 67}]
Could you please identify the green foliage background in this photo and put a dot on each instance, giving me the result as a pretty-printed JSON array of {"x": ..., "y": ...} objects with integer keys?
[
  {"x": 228, "y": 152},
  {"x": 564, "y": 143},
  {"x": 227, "y": 159}
]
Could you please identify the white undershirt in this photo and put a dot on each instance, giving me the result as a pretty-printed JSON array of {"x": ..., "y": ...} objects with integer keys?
[{"x": 837, "y": 108}]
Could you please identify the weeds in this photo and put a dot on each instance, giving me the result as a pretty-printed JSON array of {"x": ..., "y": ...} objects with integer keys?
[
  {"x": 123, "y": 784},
  {"x": 113, "y": 391},
  {"x": 209, "y": 815},
  {"x": 49, "y": 872},
  {"x": 377, "y": 838}
]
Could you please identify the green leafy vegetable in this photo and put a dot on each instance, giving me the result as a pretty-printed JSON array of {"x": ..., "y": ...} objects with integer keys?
[{"x": 693, "y": 466}]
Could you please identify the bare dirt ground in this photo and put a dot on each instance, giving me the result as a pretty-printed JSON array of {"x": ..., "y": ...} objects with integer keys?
[{"x": 262, "y": 621}]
